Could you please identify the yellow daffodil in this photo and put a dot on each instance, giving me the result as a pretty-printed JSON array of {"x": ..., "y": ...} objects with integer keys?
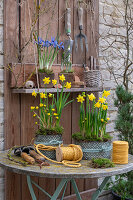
[
  {"x": 41, "y": 95},
  {"x": 44, "y": 105},
  {"x": 106, "y": 93},
  {"x": 44, "y": 96},
  {"x": 62, "y": 78},
  {"x": 53, "y": 109},
  {"x": 35, "y": 122},
  {"x": 102, "y": 100},
  {"x": 97, "y": 105},
  {"x": 55, "y": 114},
  {"x": 37, "y": 107},
  {"x": 68, "y": 85},
  {"x": 46, "y": 80},
  {"x": 41, "y": 104},
  {"x": 91, "y": 97},
  {"x": 32, "y": 107},
  {"x": 108, "y": 118},
  {"x": 80, "y": 98},
  {"x": 50, "y": 95},
  {"x": 57, "y": 117},
  {"x": 48, "y": 113},
  {"x": 54, "y": 82},
  {"x": 34, "y": 93},
  {"x": 102, "y": 120},
  {"x": 34, "y": 115},
  {"x": 104, "y": 107}
]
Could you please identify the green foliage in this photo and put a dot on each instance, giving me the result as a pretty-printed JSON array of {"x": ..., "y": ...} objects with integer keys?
[
  {"x": 57, "y": 130},
  {"x": 123, "y": 184},
  {"x": 101, "y": 163},
  {"x": 122, "y": 187},
  {"x": 124, "y": 121},
  {"x": 45, "y": 70},
  {"x": 79, "y": 137}
]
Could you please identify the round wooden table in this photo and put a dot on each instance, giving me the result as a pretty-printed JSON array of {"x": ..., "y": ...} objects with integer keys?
[{"x": 65, "y": 173}]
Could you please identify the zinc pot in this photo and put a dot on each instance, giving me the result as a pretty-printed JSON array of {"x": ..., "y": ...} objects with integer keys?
[
  {"x": 118, "y": 197},
  {"x": 42, "y": 75},
  {"x": 49, "y": 140},
  {"x": 95, "y": 149}
]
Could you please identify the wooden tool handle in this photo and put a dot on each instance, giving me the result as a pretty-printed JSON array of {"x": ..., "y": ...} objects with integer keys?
[
  {"x": 28, "y": 158},
  {"x": 36, "y": 155},
  {"x": 68, "y": 21},
  {"x": 80, "y": 17}
]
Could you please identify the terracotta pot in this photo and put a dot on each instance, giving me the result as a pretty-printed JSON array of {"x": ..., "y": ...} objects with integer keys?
[
  {"x": 69, "y": 77},
  {"x": 42, "y": 76}
]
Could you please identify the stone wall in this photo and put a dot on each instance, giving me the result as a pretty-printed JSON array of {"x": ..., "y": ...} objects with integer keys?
[
  {"x": 1, "y": 99},
  {"x": 112, "y": 27}
]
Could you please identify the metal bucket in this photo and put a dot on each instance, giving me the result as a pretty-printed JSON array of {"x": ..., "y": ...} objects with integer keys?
[
  {"x": 95, "y": 149},
  {"x": 49, "y": 140}
]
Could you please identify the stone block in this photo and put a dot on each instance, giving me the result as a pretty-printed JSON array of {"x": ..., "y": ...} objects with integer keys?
[
  {"x": 1, "y": 102},
  {"x": 110, "y": 127},
  {"x": 1, "y": 12},
  {"x": 1, "y": 74}
]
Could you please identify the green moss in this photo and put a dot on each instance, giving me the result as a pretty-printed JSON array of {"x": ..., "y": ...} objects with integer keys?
[
  {"x": 79, "y": 137},
  {"x": 57, "y": 130},
  {"x": 45, "y": 70},
  {"x": 101, "y": 163}
]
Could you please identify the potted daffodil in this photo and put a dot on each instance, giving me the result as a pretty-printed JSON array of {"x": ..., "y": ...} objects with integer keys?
[
  {"x": 94, "y": 140},
  {"x": 48, "y": 114}
]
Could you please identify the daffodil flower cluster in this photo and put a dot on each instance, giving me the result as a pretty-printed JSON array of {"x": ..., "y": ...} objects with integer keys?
[
  {"x": 93, "y": 115},
  {"x": 49, "y": 110}
]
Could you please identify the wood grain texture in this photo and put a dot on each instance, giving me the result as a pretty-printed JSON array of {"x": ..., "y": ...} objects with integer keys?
[
  {"x": 28, "y": 25},
  {"x": 12, "y": 106},
  {"x": 28, "y": 130}
]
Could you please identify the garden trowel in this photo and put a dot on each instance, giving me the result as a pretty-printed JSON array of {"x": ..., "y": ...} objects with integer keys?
[{"x": 81, "y": 36}]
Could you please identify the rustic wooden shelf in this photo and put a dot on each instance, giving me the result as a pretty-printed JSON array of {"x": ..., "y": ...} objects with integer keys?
[{"x": 54, "y": 90}]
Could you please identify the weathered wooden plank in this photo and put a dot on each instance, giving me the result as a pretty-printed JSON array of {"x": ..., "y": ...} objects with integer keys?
[
  {"x": 11, "y": 111},
  {"x": 48, "y": 20},
  {"x": 29, "y": 23},
  {"x": 85, "y": 195},
  {"x": 66, "y": 123},
  {"x": 75, "y": 128},
  {"x": 28, "y": 129}
]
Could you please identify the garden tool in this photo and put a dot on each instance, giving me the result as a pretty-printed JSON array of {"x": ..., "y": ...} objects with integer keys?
[
  {"x": 80, "y": 36},
  {"x": 28, "y": 153},
  {"x": 68, "y": 44}
]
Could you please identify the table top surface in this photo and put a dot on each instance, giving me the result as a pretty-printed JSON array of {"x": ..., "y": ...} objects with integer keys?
[{"x": 61, "y": 171}]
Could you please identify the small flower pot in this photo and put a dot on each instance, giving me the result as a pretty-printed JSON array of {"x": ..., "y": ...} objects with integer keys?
[
  {"x": 118, "y": 197},
  {"x": 95, "y": 149},
  {"x": 42, "y": 75},
  {"x": 49, "y": 140},
  {"x": 69, "y": 77}
]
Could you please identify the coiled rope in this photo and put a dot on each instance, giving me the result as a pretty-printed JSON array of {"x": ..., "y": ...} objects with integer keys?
[
  {"x": 120, "y": 152},
  {"x": 68, "y": 156}
]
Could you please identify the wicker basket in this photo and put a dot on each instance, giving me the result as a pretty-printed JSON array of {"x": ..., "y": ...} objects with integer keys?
[{"x": 93, "y": 78}]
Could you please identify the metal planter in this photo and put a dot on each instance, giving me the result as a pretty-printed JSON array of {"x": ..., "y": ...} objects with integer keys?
[
  {"x": 95, "y": 149},
  {"x": 49, "y": 140}
]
